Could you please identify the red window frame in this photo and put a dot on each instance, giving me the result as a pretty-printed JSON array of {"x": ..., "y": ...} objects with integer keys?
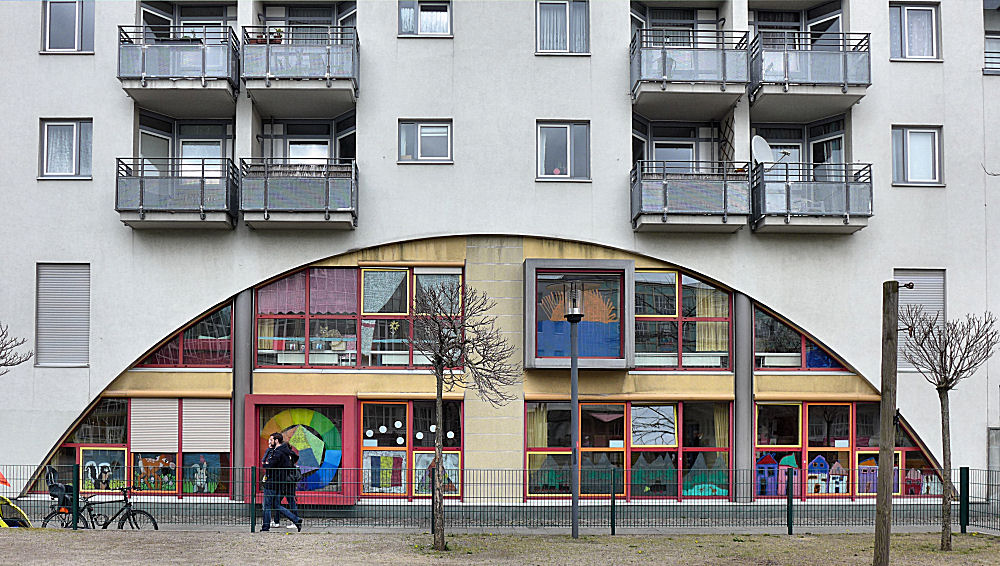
[
  {"x": 179, "y": 336},
  {"x": 678, "y": 450},
  {"x": 621, "y": 304},
  {"x": 803, "y": 342},
  {"x": 359, "y": 317},
  {"x": 679, "y": 318}
]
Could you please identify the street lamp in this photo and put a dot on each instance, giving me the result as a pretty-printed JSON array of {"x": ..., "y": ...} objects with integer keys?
[{"x": 574, "y": 314}]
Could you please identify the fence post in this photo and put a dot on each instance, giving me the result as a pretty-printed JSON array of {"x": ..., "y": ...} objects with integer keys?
[
  {"x": 253, "y": 499},
  {"x": 963, "y": 498},
  {"x": 614, "y": 473},
  {"x": 789, "y": 497},
  {"x": 433, "y": 517},
  {"x": 76, "y": 492}
]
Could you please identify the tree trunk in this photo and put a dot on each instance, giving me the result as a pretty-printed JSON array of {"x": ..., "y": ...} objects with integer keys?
[
  {"x": 438, "y": 493},
  {"x": 887, "y": 423},
  {"x": 946, "y": 472}
]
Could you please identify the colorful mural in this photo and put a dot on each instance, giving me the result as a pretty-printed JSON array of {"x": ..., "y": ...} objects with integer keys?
[
  {"x": 102, "y": 468},
  {"x": 599, "y": 331},
  {"x": 204, "y": 473},
  {"x": 422, "y": 463},
  {"x": 384, "y": 471},
  {"x": 154, "y": 471},
  {"x": 315, "y": 438}
]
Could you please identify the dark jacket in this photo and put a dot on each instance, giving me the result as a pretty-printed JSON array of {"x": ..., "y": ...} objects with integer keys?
[{"x": 277, "y": 462}]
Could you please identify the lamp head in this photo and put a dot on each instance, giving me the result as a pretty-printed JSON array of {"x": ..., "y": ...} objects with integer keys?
[{"x": 574, "y": 301}]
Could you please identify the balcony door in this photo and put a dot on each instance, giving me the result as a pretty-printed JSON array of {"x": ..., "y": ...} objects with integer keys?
[
  {"x": 827, "y": 158},
  {"x": 824, "y": 34},
  {"x": 201, "y": 158},
  {"x": 154, "y": 150},
  {"x": 679, "y": 155},
  {"x": 787, "y": 158},
  {"x": 314, "y": 152}
]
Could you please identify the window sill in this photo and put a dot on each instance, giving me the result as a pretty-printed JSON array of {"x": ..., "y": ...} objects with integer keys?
[
  {"x": 424, "y": 36},
  {"x": 63, "y": 178},
  {"x": 424, "y": 162},
  {"x": 561, "y": 180},
  {"x": 62, "y": 366},
  {"x": 43, "y": 52},
  {"x": 930, "y": 185},
  {"x": 561, "y": 54},
  {"x": 915, "y": 60}
]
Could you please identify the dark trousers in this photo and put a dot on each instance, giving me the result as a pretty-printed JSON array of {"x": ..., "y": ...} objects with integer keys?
[{"x": 272, "y": 503}]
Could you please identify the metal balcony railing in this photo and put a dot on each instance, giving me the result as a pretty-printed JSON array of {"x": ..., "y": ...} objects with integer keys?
[
  {"x": 806, "y": 189},
  {"x": 300, "y": 52},
  {"x": 810, "y": 58},
  {"x": 992, "y": 55},
  {"x": 178, "y": 52},
  {"x": 688, "y": 56},
  {"x": 299, "y": 185},
  {"x": 181, "y": 184},
  {"x": 690, "y": 187}
]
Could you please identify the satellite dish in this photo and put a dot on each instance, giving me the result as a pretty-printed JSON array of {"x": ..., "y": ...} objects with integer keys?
[{"x": 761, "y": 150}]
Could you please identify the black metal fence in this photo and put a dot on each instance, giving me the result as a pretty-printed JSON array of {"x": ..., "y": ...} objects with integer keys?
[{"x": 480, "y": 499}]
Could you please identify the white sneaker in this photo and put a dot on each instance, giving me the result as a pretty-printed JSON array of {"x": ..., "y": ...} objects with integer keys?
[
  {"x": 291, "y": 526},
  {"x": 277, "y": 524}
]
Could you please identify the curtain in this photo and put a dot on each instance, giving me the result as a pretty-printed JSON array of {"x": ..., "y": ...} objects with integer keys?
[
  {"x": 579, "y": 34},
  {"x": 284, "y": 296},
  {"x": 59, "y": 149},
  {"x": 711, "y": 336},
  {"x": 920, "y": 33},
  {"x": 538, "y": 427},
  {"x": 86, "y": 140},
  {"x": 552, "y": 32},
  {"x": 378, "y": 288},
  {"x": 333, "y": 291},
  {"x": 407, "y": 17},
  {"x": 721, "y": 425}
]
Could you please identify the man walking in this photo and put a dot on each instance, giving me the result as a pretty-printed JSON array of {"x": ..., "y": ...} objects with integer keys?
[{"x": 277, "y": 462}]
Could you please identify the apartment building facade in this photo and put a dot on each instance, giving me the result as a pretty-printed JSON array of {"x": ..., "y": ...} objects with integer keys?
[{"x": 224, "y": 211}]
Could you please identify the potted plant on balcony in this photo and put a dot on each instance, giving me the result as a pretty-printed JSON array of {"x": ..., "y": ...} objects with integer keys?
[{"x": 275, "y": 35}]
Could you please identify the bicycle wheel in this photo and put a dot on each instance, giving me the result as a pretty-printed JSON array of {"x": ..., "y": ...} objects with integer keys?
[
  {"x": 63, "y": 520},
  {"x": 137, "y": 520}
]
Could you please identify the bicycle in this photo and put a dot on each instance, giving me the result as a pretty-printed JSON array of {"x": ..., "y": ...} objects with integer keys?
[{"x": 62, "y": 517}]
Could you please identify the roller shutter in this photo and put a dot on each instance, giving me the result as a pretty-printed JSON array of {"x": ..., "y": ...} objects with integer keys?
[
  {"x": 154, "y": 425},
  {"x": 928, "y": 291},
  {"x": 206, "y": 425},
  {"x": 62, "y": 314}
]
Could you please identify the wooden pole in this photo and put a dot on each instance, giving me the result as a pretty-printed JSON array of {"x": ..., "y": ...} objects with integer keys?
[{"x": 887, "y": 424}]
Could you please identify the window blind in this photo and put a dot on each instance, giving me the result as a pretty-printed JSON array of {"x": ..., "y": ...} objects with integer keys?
[
  {"x": 928, "y": 292},
  {"x": 62, "y": 314},
  {"x": 205, "y": 425},
  {"x": 154, "y": 425}
]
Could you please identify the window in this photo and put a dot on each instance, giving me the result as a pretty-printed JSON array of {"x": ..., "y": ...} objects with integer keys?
[
  {"x": 397, "y": 432},
  {"x": 992, "y": 53},
  {"x": 563, "y": 150},
  {"x": 600, "y": 332},
  {"x": 424, "y": 18},
  {"x": 665, "y": 449},
  {"x": 355, "y": 318},
  {"x": 916, "y": 155},
  {"x": 779, "y": 346},
  {"x": 913, "y": 32},
  {"x": 206, "y": 343},
  {"x": 425, "y": 141},
  {"x": 695, "y": 336},
  {"x": 68, "y": 26},
  {"x": 62, "y": 314},
  {"x": 562, "y": 27},
  {"x": 66, "y": 148},
  {"x": 928, "y": 292}
]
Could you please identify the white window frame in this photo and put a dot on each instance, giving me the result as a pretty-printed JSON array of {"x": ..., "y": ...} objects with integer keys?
[
  {"x": 569, "y": 150},
  {"x": 420, "y": 20},
  {"x": 76, "y": 26},
  {"x": 904, "y": 25},
  {"x": 538, "y": 27},
  {"x": 420, "y": 140},
  {"x": 45, "y": 149},
  {"x": 935, "y": 156}
]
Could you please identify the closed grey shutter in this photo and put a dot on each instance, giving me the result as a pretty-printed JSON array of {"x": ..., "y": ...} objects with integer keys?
[
  {"x": 205, "y": 424},
  {"x": 154, "y": 425},
  {"x": 62, "y": 314},
  {"x": 928, "y": 292}
]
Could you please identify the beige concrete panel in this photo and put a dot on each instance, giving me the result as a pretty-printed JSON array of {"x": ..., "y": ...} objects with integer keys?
[
  {"x": 561, "y": 249},
  {"x": 798, "y": 387},
  {"x": 396, "y": 386},
  {"x": 621, "y": 385},
  {"x": 138, "y": 383},
  {"x": 429, "y": 250}
]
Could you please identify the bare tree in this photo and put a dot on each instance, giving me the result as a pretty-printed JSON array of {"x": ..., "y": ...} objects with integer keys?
[
  {"x": 9, "y": 356},
  {"x": 467, "y": 350},
  {"x": 945, "y": 353}
]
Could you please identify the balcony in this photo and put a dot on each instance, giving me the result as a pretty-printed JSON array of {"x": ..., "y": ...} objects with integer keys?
[
  {"x": 310, "y": 72},
  {"x": 804, "y": 76},
  {"x": 180, "y": 70},
  {"x": 306, "y": 193},
  {"x": 177, "y": 193},
  {"x": 690, "y": 74},
  {"x": 831, "y": 198},
  {"x": 690, "y": 196}
]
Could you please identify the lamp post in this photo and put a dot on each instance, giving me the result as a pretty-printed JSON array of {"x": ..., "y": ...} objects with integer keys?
[{"x": 574, "y": 313}]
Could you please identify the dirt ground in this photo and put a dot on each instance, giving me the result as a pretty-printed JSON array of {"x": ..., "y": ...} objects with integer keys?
[{"x": 171, "y": 547}]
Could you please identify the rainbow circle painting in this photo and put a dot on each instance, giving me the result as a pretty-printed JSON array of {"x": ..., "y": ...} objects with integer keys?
[{"x": 315, "y": 438}]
